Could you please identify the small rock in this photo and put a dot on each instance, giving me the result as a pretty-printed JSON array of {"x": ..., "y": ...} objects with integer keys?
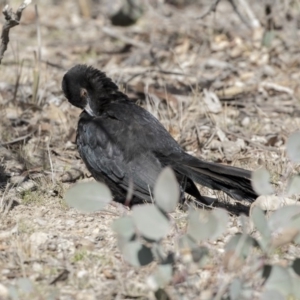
[
  {"x": 82, "y": 273},
  {"x": 230, "y": 149},
  {"x": 40, "y": 221},
  {"x": 70, "y": 223},
  {"x": 85, "y": 244},
  {"x": 37, "y": 239},
  {"x": 269, "y": 71},
  {"x": 70, "y": 146},
  {"x": 212, "y": 102},
  {"x": 72, "y": 175},
  {"x": 66, "y": 245},
  {"x": 245, "y": 122},
  {"x": 16, "y": 180},
  {"x": 37, "y": 267},
  {"x": 108, "y": 274},
  {"x": 96, "y": 231},
  {"x": 26, "y": 186}
]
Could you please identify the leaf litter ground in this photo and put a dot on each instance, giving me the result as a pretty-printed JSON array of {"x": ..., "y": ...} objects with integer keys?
[{"x": 221, "y": 94}]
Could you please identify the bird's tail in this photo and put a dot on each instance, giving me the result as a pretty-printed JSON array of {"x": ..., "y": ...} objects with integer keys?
[{"x": 235, "y": 182}]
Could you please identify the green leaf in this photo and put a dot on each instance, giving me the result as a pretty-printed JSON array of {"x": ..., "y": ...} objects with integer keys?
[
  {"x": 261, "y": 223},
  {"x": 272, "y": 294},
  {"x": 279, "y": 280},
  {"x": 137, "y": 254},
  {"x": 293, "y": 147},
  {"x": 283, "y": 217},
  {"x": 222, "y": 216},
  {"x": 295, "y": 282},
  {"x": 13, "y": 293},
  {"x": 88, "y": 196},
  {"x": 296, "y": 266},
  {"x": 241, "y": 244},
  {"x": 235, "y": 289},
  {"x": 185, "y": 242},
  {"x": 188, "y": 248},
  {"x": 293, "y": 186},
  {"x": 25, "y": 285},
  {"x": 166, "y": 190},
  {"x": 202, "y": 225},
  {"x": 161, "y": 277},
  {"x": 124, "y": 227},
  {"x": 161, "y": 294},
  {"x": 268, "y": 37},
  {"x": 244, "y": 223},
  {"x": 261, "y": 182},
  {"x": 150, "y": 221},
  {"x": 266, "y": 271}
]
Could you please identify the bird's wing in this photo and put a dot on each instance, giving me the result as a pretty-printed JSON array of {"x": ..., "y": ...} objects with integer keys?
[
  {"x": 141, "y": 128},
  {"x": 105, "y": 154}
]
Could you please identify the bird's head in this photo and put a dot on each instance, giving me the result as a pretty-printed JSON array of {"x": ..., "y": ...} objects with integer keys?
[{"x": 88, "y": 88}]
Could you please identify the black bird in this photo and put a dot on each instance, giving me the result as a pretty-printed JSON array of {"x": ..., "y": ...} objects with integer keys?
[{"x": 120, "y": 142}]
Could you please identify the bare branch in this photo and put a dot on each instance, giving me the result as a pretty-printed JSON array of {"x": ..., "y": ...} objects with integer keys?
[
  {"x": 212, "y": 8},
  {"x": 12, "y": 20}
]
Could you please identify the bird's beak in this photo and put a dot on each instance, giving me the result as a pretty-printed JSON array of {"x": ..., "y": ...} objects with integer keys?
[{"x": 88, "y": 109}]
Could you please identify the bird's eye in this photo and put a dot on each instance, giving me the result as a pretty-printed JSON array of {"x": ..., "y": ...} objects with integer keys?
[{"x": 83, "y": 93}]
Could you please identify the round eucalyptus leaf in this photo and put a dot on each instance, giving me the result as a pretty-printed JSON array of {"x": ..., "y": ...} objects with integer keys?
[
  {"x": 13, "y": 292},
  {"x": 268, "y": 37},
  {"x": 293, "y": 147},
  {"x": 293, "y": 187},
  {"x": 185, "y": 242},
  {"x": 88, "y": 196},
  {"x": 296, "y": 266},
  {"x": 161, "y": 294},
  {"x": 190, "y": 250},
  {"x": 295, "y": 282},
  {"x": 261, "y": 224},
  {"x": 272, "y": 294},
  {"x": 260, "y": 180},
  {"x": 150, "y": 221},
  {"x": 244, "y": 223},
  {"x": 199, "y": 255},
  {"x": 137, "y": 254},
  {"x": 202, "y": 225},
  {"x": 166, "y": 190},
  {"x": 279, "y": 280},
  {"x": 283, "y": 217},
  {"x": 235, "y": 289},
  {"x": 124, "y": 226},
  {"x": 25, "y": 285},
  {"x": 161, "y": 256},
  {"x": 222, "y": 218},
  {"x": 241, "y": 244},
  {"x": 161, "y": 277},
  {"x": 266, "y": 271}
]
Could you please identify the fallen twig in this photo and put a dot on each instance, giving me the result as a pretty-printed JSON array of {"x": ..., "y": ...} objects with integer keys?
[
  {"x": 120, "y": 36},
  {"x": 12, "y": 20},
  {"x": 19, "y": 139},
  {"x": 211, "y": 9}
]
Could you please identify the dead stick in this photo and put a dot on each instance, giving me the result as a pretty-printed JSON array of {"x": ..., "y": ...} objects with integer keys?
[{"x": 12, "y": 20}]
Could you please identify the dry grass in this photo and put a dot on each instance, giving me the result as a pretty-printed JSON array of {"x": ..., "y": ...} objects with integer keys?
[{"x": 165, "y": 61}]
